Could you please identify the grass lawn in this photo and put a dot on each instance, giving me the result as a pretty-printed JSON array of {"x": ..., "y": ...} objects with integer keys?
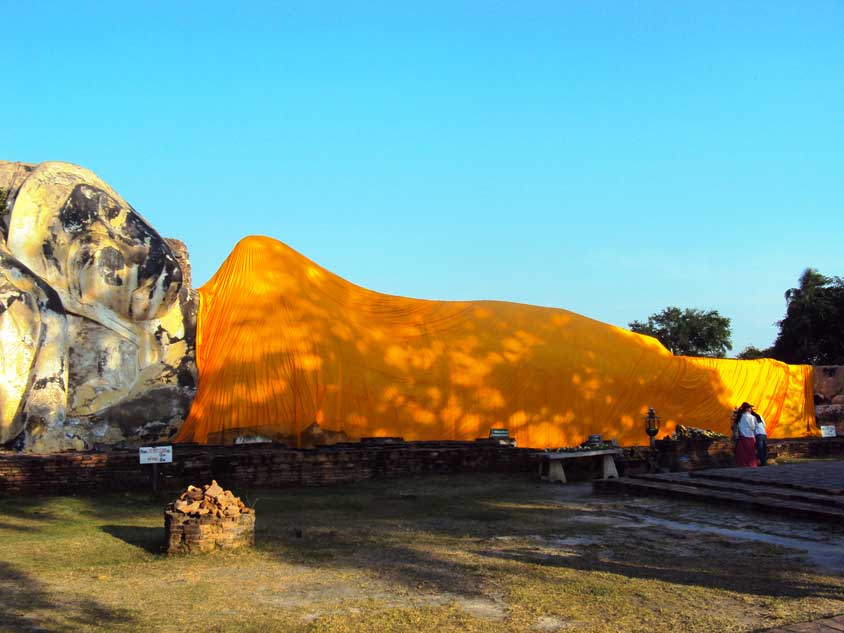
[{"x": 447, "y": 553}]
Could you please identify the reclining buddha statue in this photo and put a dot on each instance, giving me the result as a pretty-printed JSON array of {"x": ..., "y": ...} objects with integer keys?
[{"x": 103, "y": 344}]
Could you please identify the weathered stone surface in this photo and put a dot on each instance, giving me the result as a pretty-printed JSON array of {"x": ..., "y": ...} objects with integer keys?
[
  {"x": 33, "y": 334},
  {"x": 98, "y": 332},
  {"x": 829, "y": 413},
  {"x": 12, "y": 176},
  {"x": 180, "y": 252},
  {"x": 829, "y": 396},
  {"x": 829, "y": 382},
  {"x": 101, "y": 257}
]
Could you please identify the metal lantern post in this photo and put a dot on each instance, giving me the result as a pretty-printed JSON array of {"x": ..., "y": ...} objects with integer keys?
[{"x": 652, "y": 428}]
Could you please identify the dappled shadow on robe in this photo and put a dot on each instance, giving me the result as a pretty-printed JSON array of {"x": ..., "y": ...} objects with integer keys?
[{"x": 283, "y": 343}]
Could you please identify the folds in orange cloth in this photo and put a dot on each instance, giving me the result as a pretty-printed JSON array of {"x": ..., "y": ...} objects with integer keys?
[{"x": 283, "y": 343}]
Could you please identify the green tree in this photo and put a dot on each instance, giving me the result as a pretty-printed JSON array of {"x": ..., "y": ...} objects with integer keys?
[
  {"x": 689, "y": 332},
  {"x": 812, "y": 330},
  {"x": 751, "y": 352}
]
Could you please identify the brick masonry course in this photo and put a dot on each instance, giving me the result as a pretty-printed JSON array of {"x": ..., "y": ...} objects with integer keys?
[
  {"x": 254, "y": 465},
  {"x": 276, "y": 465},
  {"x": 185, "y": 534}
]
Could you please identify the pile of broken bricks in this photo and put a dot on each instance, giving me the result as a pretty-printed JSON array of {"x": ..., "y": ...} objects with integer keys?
[{"x": 210, "y": 499}]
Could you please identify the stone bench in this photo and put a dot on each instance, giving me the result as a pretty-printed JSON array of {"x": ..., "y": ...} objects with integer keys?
[{"x": 551, "y": 464}]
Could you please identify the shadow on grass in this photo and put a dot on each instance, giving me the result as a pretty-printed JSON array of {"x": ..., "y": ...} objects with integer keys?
[
  {"x": 456, "y": 534},
  {"x": 399, "y": 564},
  {"x": 730, "y": 571},
  {"x": 14, "y": 527},
  {"x": 400, "y": 534},
  {"x": 404, "y": 538},
  {"x": 68, "y": 508},
  {"x": 150, "y": 539},
  {"x": 26, "y": 509},
  {"x": 26, "y": 605}
]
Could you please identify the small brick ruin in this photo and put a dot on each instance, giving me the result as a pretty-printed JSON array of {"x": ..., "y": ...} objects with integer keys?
[{"x": 207, "y": 519}]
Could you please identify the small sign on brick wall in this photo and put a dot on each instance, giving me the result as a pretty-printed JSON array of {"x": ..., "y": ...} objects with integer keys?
[
  {"x": 828, "y": 430},
  {"x": 156, "y": 454}
]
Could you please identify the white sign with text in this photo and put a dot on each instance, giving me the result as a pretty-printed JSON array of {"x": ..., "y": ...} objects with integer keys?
[
  {"x": 156, "y": 454},
  {"x": 828, "y": 430}
]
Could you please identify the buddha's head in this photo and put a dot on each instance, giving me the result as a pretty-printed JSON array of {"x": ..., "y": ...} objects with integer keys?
[{"x": 91, "y": 246}]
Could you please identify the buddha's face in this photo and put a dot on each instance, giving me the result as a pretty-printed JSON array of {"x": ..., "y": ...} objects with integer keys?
[
  {"x": 92, "y": 247},
  {"x": 113, "y": 257}
]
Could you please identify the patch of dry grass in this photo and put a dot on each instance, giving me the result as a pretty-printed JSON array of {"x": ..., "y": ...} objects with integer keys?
[{"x": 459, "y": 553}]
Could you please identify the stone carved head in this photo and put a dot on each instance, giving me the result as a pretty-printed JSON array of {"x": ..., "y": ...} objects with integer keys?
[
  {"x": 92, "y": 247},
  {"x": 106, "y": 353}
]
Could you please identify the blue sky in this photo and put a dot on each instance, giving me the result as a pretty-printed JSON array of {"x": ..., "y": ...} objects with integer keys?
[{"x": 609, "y": 158}]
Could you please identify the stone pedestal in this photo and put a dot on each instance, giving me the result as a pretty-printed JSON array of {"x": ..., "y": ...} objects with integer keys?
[{"x": 186, "y": 534}]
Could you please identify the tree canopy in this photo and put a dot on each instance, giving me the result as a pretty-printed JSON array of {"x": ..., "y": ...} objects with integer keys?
[
  {"x": 689, "y": 332},
  {"x": 812, "y": 331},
  {"x": 751, "y": 352}
]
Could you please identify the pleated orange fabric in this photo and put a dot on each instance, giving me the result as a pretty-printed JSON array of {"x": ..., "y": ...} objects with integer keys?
[{"x": 283, "y": 343}]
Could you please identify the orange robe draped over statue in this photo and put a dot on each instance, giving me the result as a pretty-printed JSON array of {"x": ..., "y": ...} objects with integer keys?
[{"x": 283, "y": 343}]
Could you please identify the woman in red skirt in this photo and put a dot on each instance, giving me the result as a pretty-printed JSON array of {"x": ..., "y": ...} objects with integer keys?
[{"x": 746, "y": 431}]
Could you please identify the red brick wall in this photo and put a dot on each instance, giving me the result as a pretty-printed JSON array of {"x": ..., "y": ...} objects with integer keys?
[{"x": 253, "y": 465}]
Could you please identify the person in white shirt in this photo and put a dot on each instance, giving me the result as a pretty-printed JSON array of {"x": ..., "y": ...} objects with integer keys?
[
  {"x": 746, "y": 431},
  {"x": 761, "y": 439}
]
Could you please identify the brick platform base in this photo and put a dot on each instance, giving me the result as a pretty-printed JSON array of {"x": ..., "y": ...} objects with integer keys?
[
  {"x": 255, "y": 465},
  {"x": 277, "y": 465}
]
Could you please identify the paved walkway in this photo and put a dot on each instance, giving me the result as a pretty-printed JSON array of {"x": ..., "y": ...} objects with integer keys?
[
  {"x": 807, "y": 490},
  {"x": 828, "y": 625},
  {"x": 822, "y": 477}
]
